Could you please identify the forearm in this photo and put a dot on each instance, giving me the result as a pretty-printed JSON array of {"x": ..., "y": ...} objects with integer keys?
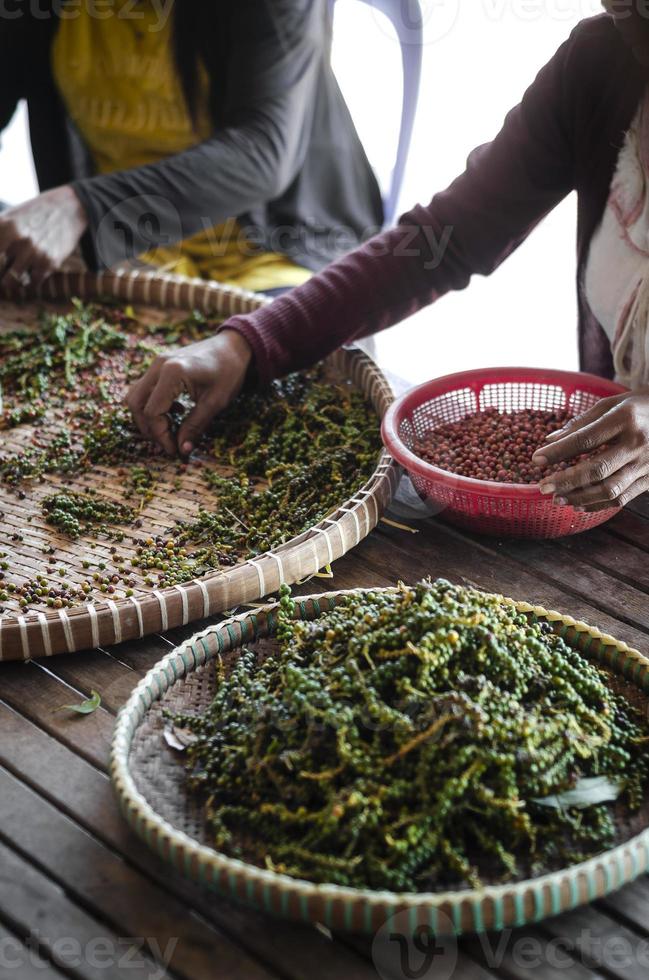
[
  {"x": 466, "y": 230},
  {"x": 374, "y": 287},
  {"x": 135, "y": 210},
  {"x": 507, "y": 188}
]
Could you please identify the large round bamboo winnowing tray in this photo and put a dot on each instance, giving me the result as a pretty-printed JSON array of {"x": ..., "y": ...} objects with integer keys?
[
  {"x": 150, "y": 779},
  {"x": 114, "y": 620}
]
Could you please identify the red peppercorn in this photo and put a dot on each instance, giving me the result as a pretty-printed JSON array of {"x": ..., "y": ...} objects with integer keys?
[{"x": 493, "y": 445}]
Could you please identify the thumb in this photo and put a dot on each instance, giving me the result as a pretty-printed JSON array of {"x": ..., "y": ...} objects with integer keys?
[{"x": 196, "y": 423}]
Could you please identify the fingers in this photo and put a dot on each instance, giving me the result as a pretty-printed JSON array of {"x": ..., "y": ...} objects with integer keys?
[
  {"x": 138, "y": 395},
  {"x": 634, "y": 490},
  {"x": 24, "y": 264},
  {"x": 611, "y": 492},
  {"x": 586, "y": 418},
  {"x": 152, "y": 397},
  {"x": 590, "y": 472},
  {"x": 197, "y": 421},
  {"x": 19, "y": 257},
  {"x": 211, "y": 372},
  {"x": 585, "y": 439},
  {"x": 160, "y": 429},
  {"x": 616, "y": 444}
]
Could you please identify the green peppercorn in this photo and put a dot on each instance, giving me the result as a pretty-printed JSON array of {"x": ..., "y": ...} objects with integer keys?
[
  {"x": 292, "y": 452},
  {"x": 402, "y": 740}
]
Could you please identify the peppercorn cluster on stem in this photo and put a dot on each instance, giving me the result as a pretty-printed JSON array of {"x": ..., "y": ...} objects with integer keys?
[
  {"x": 401, "y": 741},
  {"x": 275, "y": 463}
]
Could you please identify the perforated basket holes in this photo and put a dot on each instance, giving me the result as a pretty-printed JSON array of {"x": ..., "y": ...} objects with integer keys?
[
  {"x": 513, "y": 396},
  {"x": 582, "y": 401},
  {"x": 449, "y": 407},
  {"x": 407, "y": 433},
  {"x": 500, "y": 510},
  {"x": 453, "y": 406},
  {"x": 510, "y": 516},
  {"x": 506, "y": 514},
  {"x": 440, "y": 493}
]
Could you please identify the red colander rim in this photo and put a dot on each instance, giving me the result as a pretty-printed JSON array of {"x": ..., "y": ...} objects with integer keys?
[{"x": 403, "y": 407}]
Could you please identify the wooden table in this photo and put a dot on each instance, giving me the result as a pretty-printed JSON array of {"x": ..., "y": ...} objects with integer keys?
[{"x": 81, "y": 897}]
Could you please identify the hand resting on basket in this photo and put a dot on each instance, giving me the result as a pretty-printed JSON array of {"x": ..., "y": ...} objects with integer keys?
[
  {"x": 211, "y": 372},
  {"x": 38, "y": 236},
  {"x": 616, "y": 433}
]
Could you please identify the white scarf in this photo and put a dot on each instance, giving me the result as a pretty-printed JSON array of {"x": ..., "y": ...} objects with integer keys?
[{"x": 617, "y": 271}]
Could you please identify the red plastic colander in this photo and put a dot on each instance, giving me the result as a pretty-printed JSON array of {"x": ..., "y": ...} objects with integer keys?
[{"x": 506, "y": 509}]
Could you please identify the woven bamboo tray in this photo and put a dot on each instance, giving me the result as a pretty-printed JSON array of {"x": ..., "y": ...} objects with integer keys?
[
  {"x": 104, "y": 622},
  {"x": 149, "y": 779}
]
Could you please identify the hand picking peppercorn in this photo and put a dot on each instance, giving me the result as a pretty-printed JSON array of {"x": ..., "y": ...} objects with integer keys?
[
  {"x": 609, "y": 450},
  {"x": 403, "y": 739},
  {"x": 494, "y": 445},
  {"x": 274, "y": 464}
]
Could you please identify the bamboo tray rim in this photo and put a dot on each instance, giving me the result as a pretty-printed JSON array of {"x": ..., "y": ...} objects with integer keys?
[
  {"x": 338, "y": 906},
  {"x": 111, "y": 621}
]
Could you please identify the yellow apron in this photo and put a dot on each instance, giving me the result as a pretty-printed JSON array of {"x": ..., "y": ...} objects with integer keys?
[{"x": 119, "y": 83}]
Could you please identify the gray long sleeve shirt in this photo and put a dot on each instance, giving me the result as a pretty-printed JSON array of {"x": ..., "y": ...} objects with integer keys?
[{"x": 284, "y": 156}]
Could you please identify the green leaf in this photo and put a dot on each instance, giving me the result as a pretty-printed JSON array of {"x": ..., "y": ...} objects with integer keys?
[
  {"x": 587, "y": 792},
  {"x": 60, "y": 331},
  {"x": 84, "y": 707},
  {"x": 178, "y": 738}
]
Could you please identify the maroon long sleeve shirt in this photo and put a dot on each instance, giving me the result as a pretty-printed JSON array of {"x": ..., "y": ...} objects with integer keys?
[{"x": 565, "y": 135}]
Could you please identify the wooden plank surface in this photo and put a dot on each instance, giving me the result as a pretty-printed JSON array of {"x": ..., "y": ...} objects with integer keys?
[
  {"x": 71, "y": 869},
  {"x": 39, "y": 910}
]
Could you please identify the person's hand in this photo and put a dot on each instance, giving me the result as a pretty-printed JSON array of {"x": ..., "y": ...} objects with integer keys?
[
  {"x": 611, "y": 476},
  {"x": 38, "y": 236},
  {"x": 211, "y": 372}
]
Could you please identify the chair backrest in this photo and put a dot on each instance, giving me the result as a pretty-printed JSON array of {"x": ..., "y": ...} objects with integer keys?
[{"x": 407, "y": 20}]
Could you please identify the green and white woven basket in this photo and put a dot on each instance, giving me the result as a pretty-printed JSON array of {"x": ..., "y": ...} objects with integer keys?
[{"x": 148, "y": 777}]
